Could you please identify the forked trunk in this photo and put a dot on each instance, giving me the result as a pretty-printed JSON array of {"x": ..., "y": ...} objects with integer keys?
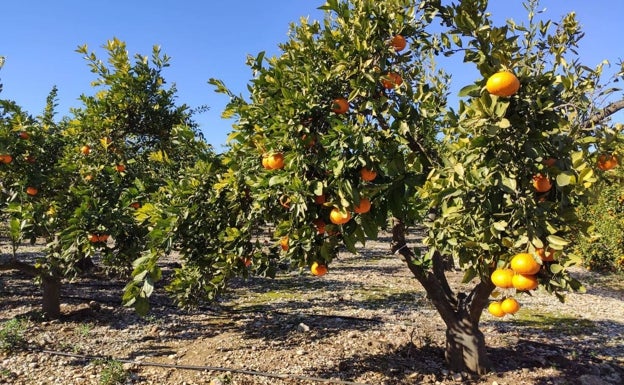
[
  {"x": 465, "y": 344},
  {"x": 51, "y": 302}
]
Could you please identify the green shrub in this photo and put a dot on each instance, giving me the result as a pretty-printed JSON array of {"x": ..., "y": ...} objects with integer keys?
[
  {"x": 113, "y": 373},
  {"x": 604, "y": 250},
  {"x": 12, "y": 335}
]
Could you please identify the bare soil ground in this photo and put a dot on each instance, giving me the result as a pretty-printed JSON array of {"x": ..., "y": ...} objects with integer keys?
[{"x": 366, "y": 322}]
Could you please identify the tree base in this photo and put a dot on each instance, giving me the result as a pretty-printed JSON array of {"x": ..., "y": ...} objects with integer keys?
[
  {"x": 465, "y": 348},
  {"x": 51, "y": 302}
]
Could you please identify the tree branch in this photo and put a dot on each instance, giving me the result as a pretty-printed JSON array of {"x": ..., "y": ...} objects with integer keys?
[
  {"x": 438, "y": 290},
  {"x": 478, "y": 299},
  {"x": 603, "y": 114},
  {"x": 8, "y": 262}
]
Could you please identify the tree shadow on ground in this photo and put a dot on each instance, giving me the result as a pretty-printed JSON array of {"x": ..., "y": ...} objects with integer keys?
[
  {"x": 404, "y": 364},
  {"x": 408, "y": 363}
]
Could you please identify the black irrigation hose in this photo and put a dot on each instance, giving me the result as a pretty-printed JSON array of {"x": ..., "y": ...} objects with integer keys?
[{"x": 201, "y": 368}]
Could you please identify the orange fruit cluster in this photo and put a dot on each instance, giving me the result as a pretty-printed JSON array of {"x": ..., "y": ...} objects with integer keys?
[
  {"x": 521, "y": 276},
  {"x": 501, "y": 308}
]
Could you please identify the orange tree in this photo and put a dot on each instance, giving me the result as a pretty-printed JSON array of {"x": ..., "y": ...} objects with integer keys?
[
  {"x": 30, "y": 148},
  {"x": 603, "y": 250},
  {"x": 120, "y": 147},
  {"x": 496, "y": 181}
]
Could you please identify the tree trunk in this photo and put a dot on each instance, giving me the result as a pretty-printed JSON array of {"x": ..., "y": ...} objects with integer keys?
[
  {"x": 51, "y": 302},
  {"x": 50, "y": 284},
  {"x": 465, "y": 344},
  {"x": 465, "y": 347}
]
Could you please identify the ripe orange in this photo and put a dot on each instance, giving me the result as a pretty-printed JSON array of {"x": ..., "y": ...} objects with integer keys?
[
  {"x": 24, "y": 135},
  {"x": 363, "y": 207},
  {"x": 398, "y": 42},
  {"x": 94, "y": 238},
  {"x": 120, "y": 168},
  {"x": 391, "y": 80},
  {"x": 85, "y": 150},
  {"x": 284, "y": 243},
  {"x": 502, "y": 278},
  {"x": 502, "y": 83},
  {"x": 135, "y": 205},
  {"x": 510, "y": 306},
  {"x": 103, "y": 237},
  {"x": 32, "y": 191},
  {"x": 549, "y": 162},
  {"x": 318, "y": 269},
  {"x": 320, "y": 199},
  {"x": 545, "y": 255},
  {"x": 541, "y": 183},
  {"x": 275, "y": 161},
  {"x": 6, "y": 158},
  {"x": 340, "y": 105},
  {"x": 88, "y": 177},
  {"x": 524, "y": 263},
  {"x": 246, "y": 261},
  {"x": 607, "y": 162},
  {"x": 495, "y": 309},
  {"x": 368, "y": 175},
  {"x": 339, "y": 216},
  {"x": 524, "y": 282},
  {"x": 320, "y": 225}
]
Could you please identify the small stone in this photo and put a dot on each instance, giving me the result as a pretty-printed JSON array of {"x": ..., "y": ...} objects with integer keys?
[
  {"x": 303, "y": 328},
  {"x": 457, "y": 377},
  {"x": 301, "y": 352},
  {"x": 94, "y": 305}
]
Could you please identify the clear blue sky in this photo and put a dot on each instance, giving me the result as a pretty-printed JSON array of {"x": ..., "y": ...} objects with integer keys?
[{"x": 205, "y": 38}]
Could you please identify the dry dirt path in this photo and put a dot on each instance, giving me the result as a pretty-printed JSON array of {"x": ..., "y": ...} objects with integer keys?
[{"x": 366, "y": 322}]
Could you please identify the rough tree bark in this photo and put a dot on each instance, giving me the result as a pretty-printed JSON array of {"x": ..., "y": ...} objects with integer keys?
[
  {"x": 465, "y": 343},
  {"x": 50, "y": 284},
  {"x": 51, "y": 301}
]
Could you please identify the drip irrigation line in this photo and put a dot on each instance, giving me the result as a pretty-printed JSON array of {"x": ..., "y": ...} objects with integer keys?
[{"x": 201, "y": 368}]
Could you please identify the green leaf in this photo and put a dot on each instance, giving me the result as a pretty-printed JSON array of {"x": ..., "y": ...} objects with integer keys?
[
  {"x": 555, "y": 268},
  {"x": 469, "y": 275},
  {"x": 317, "y": 188},
  {"x": 148, "y": 287},
  {"x": 471, "y": 90},
  {"x": 277, "y": 179},
  {"x": 500, "y": 225},
  {"x": 369, "y": 226},
  {"x": 565, "y": 178},
  {"x": 141, "y": 306},
  {"x": 555, "y": 240},
  {"x": 349, "y": 242}
]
